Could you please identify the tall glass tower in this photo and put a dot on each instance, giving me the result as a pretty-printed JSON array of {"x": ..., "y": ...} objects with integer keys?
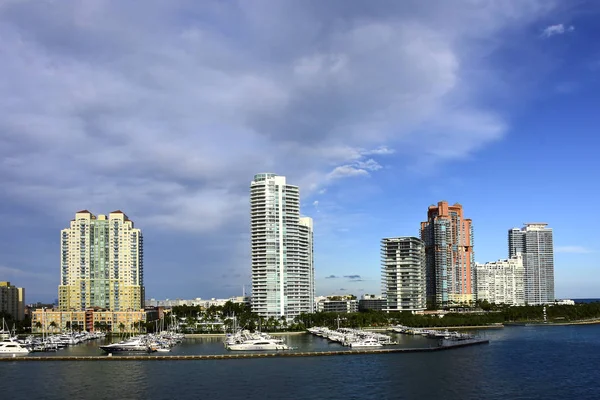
[
  {"x": 282, "y": 249},
  {"x": 535, "y": 242}
]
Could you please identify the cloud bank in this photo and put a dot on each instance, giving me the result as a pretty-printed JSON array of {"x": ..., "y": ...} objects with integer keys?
[{"x": 166, "y": 109}]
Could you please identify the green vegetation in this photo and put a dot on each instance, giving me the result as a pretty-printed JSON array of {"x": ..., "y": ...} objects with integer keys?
[
  {"x": 217, "y": 319},
  {"x": 19, "y": 326}
]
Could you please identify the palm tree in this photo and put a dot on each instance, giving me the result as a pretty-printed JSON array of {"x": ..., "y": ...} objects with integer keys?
[
  {"x": 53, "y": 325},
  {"x": 283, "y": 321},
  {"x": 121, "y": 327},
  {"x": 38, "y": 325},
  {"x": 97, "y": 326},
  {"x": 68, "y": 325}
]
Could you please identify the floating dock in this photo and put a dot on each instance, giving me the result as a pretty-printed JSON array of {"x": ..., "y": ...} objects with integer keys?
[{"x": 247, "y": 355}]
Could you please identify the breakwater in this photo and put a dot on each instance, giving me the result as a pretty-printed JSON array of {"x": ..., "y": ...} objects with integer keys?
[{"x": 241, "y": 355}]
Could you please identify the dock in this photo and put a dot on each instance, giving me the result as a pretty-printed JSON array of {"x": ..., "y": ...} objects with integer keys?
[{"x": 251, "y": 355}]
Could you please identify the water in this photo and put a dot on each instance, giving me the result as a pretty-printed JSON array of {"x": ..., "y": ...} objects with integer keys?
[
  {"x": 533, "y": 362},
  {"x": 585, "y": 301}
]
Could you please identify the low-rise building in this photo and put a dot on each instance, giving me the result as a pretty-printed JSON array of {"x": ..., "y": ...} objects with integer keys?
[
  {"x": 372, "y": 302},
  {"x": 204, "y": 303},
  {"x": 564, "y": 302},
  {"x": 52, "y": 321},
  {"x": 12, "y": 300},
  {"x": 339, "y": 304}
]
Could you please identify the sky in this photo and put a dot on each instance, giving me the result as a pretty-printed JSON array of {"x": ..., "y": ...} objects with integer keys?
[{"x": 376, "y": 110}]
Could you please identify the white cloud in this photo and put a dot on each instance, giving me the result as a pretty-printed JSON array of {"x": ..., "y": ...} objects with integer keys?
[
  {"x": 557, "y": 29},
  {"x": 346, "y": 171},
  {"x": 572, "y": 249}
]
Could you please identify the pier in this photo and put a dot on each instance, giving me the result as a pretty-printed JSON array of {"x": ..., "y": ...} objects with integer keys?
[{"x": 251, "y": 355}]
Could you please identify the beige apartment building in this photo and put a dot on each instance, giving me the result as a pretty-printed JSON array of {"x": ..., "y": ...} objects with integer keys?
[
  {"x": 12, "y": 300},
  {"x": 101, "y": 264},
  {"x": 51, "y": 321}
]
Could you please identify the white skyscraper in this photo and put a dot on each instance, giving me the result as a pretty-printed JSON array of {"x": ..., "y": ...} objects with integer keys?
[
  {"x": 282, "y": 249},
  {"x": 535, "y": 243},
  {"x": 403, "y": 273}
]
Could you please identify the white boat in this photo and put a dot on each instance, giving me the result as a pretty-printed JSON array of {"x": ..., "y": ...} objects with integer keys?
[
  {"x": 163, "y": 349},
  {"x": 259, "y": 344},
  {"x": 13, "y": 347},
  {"x": 366, "y": 343},
  {"x": 127, "y": 346}
]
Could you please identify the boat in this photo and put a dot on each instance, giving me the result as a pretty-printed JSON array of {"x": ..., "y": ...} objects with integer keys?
[
  {"x": 135, "y": 345},
  {"x": 13, "y": 347},
  {"x": 366, "y": 343},
  {"x": 259, "y": 344}
]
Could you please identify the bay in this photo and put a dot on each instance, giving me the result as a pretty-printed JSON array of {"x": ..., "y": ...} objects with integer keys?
[{"x": 530, "y": 362}]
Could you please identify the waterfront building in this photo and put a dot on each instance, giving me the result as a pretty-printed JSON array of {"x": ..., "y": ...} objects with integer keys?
[
  {"x": 372, "y": 302},
  {"x": 448, "y": 238},
  {"x": 56, "y": 321},
  {"x": 101, "y": 264},
  {"x": 403, "y": 273},
  {"x": 535, "y": 242},
  {"x": 338, "y": 304},
  {"x": 502, "y": 281},
  {"x": 282, "y": 249},
  {"x": 203, "y": 303},
  {"x": 12, "y": 300}
]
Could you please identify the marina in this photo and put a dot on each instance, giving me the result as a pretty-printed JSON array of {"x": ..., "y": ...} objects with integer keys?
[
  {"x": 160, "y": 342},
  {"x": 353, "y": 337},
  {"x": 250, "y": 355}
]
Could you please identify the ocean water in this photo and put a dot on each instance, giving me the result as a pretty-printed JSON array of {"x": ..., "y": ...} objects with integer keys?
[
  {"x": 581, "y": 301},
  {"x": 531, "y": 362}
]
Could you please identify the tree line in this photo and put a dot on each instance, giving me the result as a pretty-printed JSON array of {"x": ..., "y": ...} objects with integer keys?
[{"x": 227, "y": 317}]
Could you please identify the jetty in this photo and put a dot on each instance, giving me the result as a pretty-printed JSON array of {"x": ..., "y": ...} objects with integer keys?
[{"x": 448, "y": 346}]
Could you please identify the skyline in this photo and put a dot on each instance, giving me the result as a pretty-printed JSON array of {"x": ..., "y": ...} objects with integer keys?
[{"x": 167, "y": 111}]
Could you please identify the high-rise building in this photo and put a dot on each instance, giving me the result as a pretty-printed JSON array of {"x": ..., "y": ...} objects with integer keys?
[
  {"x": 282, "y": 249},
  {"x": 403, "y": 273},
  {"x": 12, "y": 301},
  {"x": 448, "y": 238},
  {"x": 534, "y": 241},
  {"x": 501, "y": 282},
  {"x": 101, "y": 263}
]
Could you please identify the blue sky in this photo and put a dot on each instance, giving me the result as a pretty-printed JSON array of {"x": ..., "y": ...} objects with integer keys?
[{"x": 167, "y": 110}]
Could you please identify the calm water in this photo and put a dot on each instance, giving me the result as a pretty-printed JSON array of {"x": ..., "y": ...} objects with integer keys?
[{"x": 541, "y": 362}]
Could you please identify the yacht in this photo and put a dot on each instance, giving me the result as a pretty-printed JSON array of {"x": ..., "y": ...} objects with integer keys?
[
  {"x": 13, "y": 347},
  {"x": 366, "y": 343},
  {"x": 260, "y": 344},
  {"x": 126, "y": 346}
]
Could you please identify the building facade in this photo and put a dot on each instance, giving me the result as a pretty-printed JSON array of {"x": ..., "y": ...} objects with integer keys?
[
  {"x": 101, "y": 264},
  {"x": 282, "y": 249},
  {"x": 535, "y": 242},
  {"x": 448, "y": 238},
  {"x": 502, "y": 281},
  {"x": 372, "y": 302},
  {"x": 403, "y": 273},
  {"x": 12, "y": 301},
  {"x": 52, "y": 321}
]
